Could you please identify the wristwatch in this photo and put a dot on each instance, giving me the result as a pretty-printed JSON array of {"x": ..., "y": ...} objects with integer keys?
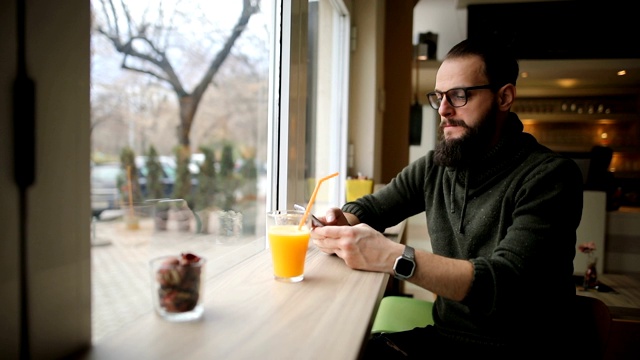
[{"x": 405, "y": 265}]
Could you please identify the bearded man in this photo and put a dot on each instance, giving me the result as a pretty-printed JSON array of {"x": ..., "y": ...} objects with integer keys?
[{"x": 501, "y": 210}]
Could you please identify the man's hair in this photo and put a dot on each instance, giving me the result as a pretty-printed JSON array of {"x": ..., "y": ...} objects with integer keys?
[{"x": 500, "y": 65}]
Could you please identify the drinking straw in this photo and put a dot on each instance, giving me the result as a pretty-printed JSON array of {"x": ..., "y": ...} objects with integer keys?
[{"x": 313, "y": 198}]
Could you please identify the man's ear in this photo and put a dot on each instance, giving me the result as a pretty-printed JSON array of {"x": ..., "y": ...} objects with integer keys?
[{"x": 506, "y": 96}]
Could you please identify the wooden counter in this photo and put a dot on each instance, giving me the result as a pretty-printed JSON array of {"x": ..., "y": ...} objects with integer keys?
[
  {"x": 624, "y": 306},
  {"x": 249, "y": 315},
  {"x": 624, "y": 301}
]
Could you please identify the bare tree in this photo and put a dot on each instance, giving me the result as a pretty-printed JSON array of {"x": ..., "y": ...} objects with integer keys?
[{"x": 144, "y": 46}]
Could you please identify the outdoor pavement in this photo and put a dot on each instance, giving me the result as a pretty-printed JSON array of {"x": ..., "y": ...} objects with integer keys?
[{"x": 121, "y": 279}]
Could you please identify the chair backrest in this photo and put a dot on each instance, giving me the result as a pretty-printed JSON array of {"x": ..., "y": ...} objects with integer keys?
[{"x": 591, "y": 326}]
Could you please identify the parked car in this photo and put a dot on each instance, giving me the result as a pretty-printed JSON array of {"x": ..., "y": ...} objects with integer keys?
[
  {"x": 105, "y": 194},
  {"x": 104, "y": 188}
]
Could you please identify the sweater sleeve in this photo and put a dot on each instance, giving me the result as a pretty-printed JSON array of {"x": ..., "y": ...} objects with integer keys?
[{"x": 401, "y": 198}]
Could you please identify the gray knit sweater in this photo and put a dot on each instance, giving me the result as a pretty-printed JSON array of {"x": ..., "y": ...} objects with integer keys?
[{"x": 514, "y": 215}]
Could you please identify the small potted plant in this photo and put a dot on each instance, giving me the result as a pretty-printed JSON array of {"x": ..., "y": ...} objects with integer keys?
[
  {"x": 155, "y": 188},
  {"x": 182, "y": 187},
  {"x": 228, "y": 183},
  {"x": 248, "y": 192},
  {"x": 206, "y": 188}
]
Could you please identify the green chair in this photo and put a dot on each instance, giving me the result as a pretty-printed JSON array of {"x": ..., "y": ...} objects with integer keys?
[{"x": 399, "y": 313}]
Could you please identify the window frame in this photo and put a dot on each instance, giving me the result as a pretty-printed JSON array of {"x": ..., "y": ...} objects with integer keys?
[{"x": 288, "y": 104}]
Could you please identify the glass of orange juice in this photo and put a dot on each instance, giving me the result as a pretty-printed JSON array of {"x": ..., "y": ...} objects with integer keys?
[{"x": 289, "y": 243}]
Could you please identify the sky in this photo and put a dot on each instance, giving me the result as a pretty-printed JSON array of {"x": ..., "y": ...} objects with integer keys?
[{"x": 216, "y": 16}]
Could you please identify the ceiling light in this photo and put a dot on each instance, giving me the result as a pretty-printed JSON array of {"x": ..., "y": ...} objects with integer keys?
[
  {"x": 567, "y": 83},
  {"x": 524, "y": 74},
  {"x": 622, "y": 72}
]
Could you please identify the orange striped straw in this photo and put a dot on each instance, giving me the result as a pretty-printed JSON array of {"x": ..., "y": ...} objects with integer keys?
[{"x": 313, "y": 198}]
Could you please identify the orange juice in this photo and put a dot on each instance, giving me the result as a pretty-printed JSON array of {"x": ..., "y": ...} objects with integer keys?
[{"x": 288, "y": 249}]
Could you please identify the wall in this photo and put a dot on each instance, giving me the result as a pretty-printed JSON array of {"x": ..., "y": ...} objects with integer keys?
[
  {"x": 430, "y": 122},
  {"x": 57, "y": 225},
  {"x": 365, "y": 84},
  {"x": 398, "y": 57},
  {"x": 623, "y": 241},
  {"x": 380, "y": 87},
  {"x": 9, "y": 247}
]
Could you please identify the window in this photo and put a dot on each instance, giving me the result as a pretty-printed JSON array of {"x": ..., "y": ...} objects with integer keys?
[
  {"x": 187, "y": 84},
  {"x": 312, "y": 123},
  {"x": 275, "y": 108}
]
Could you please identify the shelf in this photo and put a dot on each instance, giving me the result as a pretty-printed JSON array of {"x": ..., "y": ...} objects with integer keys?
[
  {"x": 600, "y": 109},
  {"x": 576, "y": 118}
]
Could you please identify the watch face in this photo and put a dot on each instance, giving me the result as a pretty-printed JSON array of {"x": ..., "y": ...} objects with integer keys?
[{"x": 404, "y": 267}]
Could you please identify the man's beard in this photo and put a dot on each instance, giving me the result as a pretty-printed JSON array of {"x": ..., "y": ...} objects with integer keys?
[{"x": 469, "y": 147}]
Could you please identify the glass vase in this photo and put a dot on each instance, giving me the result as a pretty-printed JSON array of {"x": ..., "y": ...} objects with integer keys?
[{"x": 591, "y": 274}]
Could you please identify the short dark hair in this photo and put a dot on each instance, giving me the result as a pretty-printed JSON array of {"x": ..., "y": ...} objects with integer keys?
[{"x": 500, "y": 64}]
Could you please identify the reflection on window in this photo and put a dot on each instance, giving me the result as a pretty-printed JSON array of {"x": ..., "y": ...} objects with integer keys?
[
  {"x": 327, "y": 105},
  {"x": 179, "y": 99}
]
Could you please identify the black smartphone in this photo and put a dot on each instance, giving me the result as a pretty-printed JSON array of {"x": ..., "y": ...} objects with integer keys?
[{"x": 315, "y": 222}]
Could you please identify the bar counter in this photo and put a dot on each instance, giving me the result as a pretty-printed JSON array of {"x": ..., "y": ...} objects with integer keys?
[
  {"x": 624, "y": 308},
  {"x": 250, "y": 315},
  {"x": 624, "y": 300}
]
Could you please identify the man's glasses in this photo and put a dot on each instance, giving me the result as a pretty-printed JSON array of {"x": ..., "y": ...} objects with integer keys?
[{"x": 456, "y": 97}]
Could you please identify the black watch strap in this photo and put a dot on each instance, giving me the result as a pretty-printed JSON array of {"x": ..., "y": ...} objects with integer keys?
[
  {"x": 409, "y": 252},
  {"x": 405, "y": 264}
]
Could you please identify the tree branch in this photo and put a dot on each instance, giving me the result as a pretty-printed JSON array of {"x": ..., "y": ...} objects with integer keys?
[{"x": 248, "y": 9}]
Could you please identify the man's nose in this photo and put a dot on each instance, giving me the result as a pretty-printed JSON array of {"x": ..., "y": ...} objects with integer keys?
[{"x": 445, "y": 107}]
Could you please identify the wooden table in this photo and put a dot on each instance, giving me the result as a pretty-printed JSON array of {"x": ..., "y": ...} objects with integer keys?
[
  {"x": 249, "y": 315},
  {"x": 624, "y": 306},
  {"x": 624, "y": 301}
]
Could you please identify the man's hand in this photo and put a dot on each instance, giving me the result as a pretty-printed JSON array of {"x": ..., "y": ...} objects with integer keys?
[
  {"x": 360, "y": 246},
  {"x": 335, "y": 216}
]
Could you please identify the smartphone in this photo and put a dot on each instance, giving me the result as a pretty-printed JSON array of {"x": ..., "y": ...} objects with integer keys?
[{"x": 315, "y": 222}]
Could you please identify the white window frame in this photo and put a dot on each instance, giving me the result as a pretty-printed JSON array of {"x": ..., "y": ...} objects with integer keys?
[{"x": 287, "y": 103}]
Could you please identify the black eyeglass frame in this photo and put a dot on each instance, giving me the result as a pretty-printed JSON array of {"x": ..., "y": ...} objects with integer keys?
[{"x": 434, "y": 95}]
